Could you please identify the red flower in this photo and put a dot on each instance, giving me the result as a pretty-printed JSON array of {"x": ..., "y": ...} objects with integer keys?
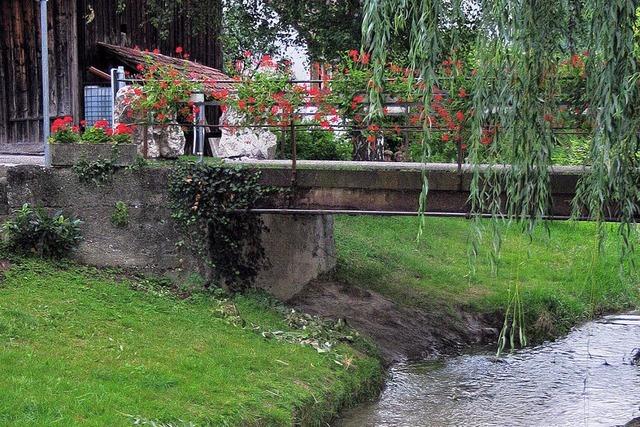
[
  {"x": 242, "y": 104},
  {"x": 459, "y": 116},
  {"x": 365, "y": 58},
  {"x": 266, "y": 61},
  {"x": 462, "y": 93},
  {"x": 140, "y": 67},
  {"x": 354, "y": 55},
  {"x": 123, "y": 129},
  {"x": 247, "y": 54},
  {"x": 548, "y": 118},
  {"x": 371, "y": 138},
  {"x": 221, "y": 94},
  {"x": 156, "y": 51},
  {"x": 325, "y": 124},
  {"x": 445, "y": 137},
  {"x": 101, "y": 124},
  {"x": 179, "y": 49}
]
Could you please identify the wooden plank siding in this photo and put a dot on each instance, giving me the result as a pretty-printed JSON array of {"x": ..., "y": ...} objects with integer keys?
[
  {"x": 132, "y": 27},
  {"x": 74, "y": 32},
  {"x": 20, "y": 87}
]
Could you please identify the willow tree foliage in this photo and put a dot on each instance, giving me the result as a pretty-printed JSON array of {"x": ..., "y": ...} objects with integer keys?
[{"x": 518, "y": 48}]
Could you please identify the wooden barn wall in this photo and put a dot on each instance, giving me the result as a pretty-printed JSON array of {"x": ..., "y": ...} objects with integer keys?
[
  {"x": 101, "y": 21},
  {"x": 20, "y": 88}
]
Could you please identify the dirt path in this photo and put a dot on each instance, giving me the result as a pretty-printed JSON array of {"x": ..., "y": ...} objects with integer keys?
[{"x": 401, "y": 333}]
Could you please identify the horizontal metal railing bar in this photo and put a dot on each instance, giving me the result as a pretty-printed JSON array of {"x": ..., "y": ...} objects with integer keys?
[
  {"x": 309, "y": 126},
  {"x": 466, "y": 215}
]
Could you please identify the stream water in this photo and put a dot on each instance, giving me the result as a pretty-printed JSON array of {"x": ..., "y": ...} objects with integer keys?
[{"x": 583, "y": 379}]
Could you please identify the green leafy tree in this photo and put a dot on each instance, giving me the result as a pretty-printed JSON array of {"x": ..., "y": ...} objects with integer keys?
[
  {"x": 326, "y": 28},
  {"x": 252, "y": 28}
]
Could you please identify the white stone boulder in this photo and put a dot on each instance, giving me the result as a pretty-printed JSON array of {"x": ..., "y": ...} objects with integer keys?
[{"x": 239, "y": 142}]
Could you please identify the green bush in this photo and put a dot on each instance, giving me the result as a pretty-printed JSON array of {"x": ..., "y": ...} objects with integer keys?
[
  {"x": 120, "y": 215},
  {"x": 34, "y": 231},
  {"x": 441, "y": 152},
  {"x": 573, "y": 150},
  {"x": 318, "y": 145}
]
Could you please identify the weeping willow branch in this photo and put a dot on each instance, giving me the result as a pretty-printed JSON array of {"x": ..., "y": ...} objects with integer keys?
[
  {"x": 518, "y": 49},
  {"x": 610, "y": 187}
]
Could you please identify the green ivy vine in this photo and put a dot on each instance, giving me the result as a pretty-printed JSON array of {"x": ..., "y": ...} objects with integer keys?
[{"x": 210, "y": 202}]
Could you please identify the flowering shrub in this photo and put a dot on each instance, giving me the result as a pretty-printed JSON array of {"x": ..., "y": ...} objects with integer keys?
[
  {"x": 164, "y": 95},
  {"x": 99, "y": 133},
  {"x": 265, "y": 95},
  {"x": 63, "y": 131},
  {"x": 122, "y": 134}
]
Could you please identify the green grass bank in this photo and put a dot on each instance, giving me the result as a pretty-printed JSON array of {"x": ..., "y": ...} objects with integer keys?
[
  {"x": 563, "y": 280},
  {"x": 80, "y": 346}
]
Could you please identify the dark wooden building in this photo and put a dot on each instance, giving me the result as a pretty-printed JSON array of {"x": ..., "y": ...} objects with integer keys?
[{"x": 76, "y": 27}]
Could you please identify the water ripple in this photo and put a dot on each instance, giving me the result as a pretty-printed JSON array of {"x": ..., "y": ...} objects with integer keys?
[{"x": 584, "y": 379}]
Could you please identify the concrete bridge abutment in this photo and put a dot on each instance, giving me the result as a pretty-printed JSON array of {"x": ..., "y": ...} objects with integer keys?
[{"x": 299, "y": 248}]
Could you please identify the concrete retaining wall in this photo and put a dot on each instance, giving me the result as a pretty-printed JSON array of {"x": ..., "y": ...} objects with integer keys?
[{"x": 299, "y": 248}]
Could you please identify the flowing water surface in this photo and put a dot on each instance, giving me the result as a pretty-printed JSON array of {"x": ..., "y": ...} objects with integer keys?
[{"x": 584, "y": 379}]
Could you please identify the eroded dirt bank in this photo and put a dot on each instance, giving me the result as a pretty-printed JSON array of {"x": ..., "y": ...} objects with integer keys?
[{"x": 401, "y": 333}]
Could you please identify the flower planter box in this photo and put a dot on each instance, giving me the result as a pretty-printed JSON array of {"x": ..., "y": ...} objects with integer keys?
[{"x": 67, "y": 155}]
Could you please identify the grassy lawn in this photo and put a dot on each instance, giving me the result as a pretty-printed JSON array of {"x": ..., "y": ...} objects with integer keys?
[
  {"x": 78, "y": 346},
  {"x": 561, "y": 285}
]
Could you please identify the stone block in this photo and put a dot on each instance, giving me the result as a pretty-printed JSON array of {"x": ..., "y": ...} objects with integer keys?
[{"x": 66, "y": 155}]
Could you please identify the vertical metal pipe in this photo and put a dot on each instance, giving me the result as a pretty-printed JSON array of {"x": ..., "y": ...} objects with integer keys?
[
  {"x": 198, "y": 100},
  {"x": 294, "y": 154},
  {"x": 201, "y": 131},
  {"x": 114, "y": 91},
  {"x": 117, "y": 83},
  {"x": 44, "y": 55},
  {"x": 459, "y": 156}
]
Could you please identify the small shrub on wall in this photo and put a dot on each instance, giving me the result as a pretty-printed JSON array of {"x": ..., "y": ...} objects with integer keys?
[{"x": 34, "y": 231}]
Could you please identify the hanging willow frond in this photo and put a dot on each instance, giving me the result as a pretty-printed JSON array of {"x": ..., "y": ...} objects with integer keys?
[
  {"x": 611, "y": 186},
  {"x": 519, "y": 46},
  {"x": 383, "y": 18}
]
